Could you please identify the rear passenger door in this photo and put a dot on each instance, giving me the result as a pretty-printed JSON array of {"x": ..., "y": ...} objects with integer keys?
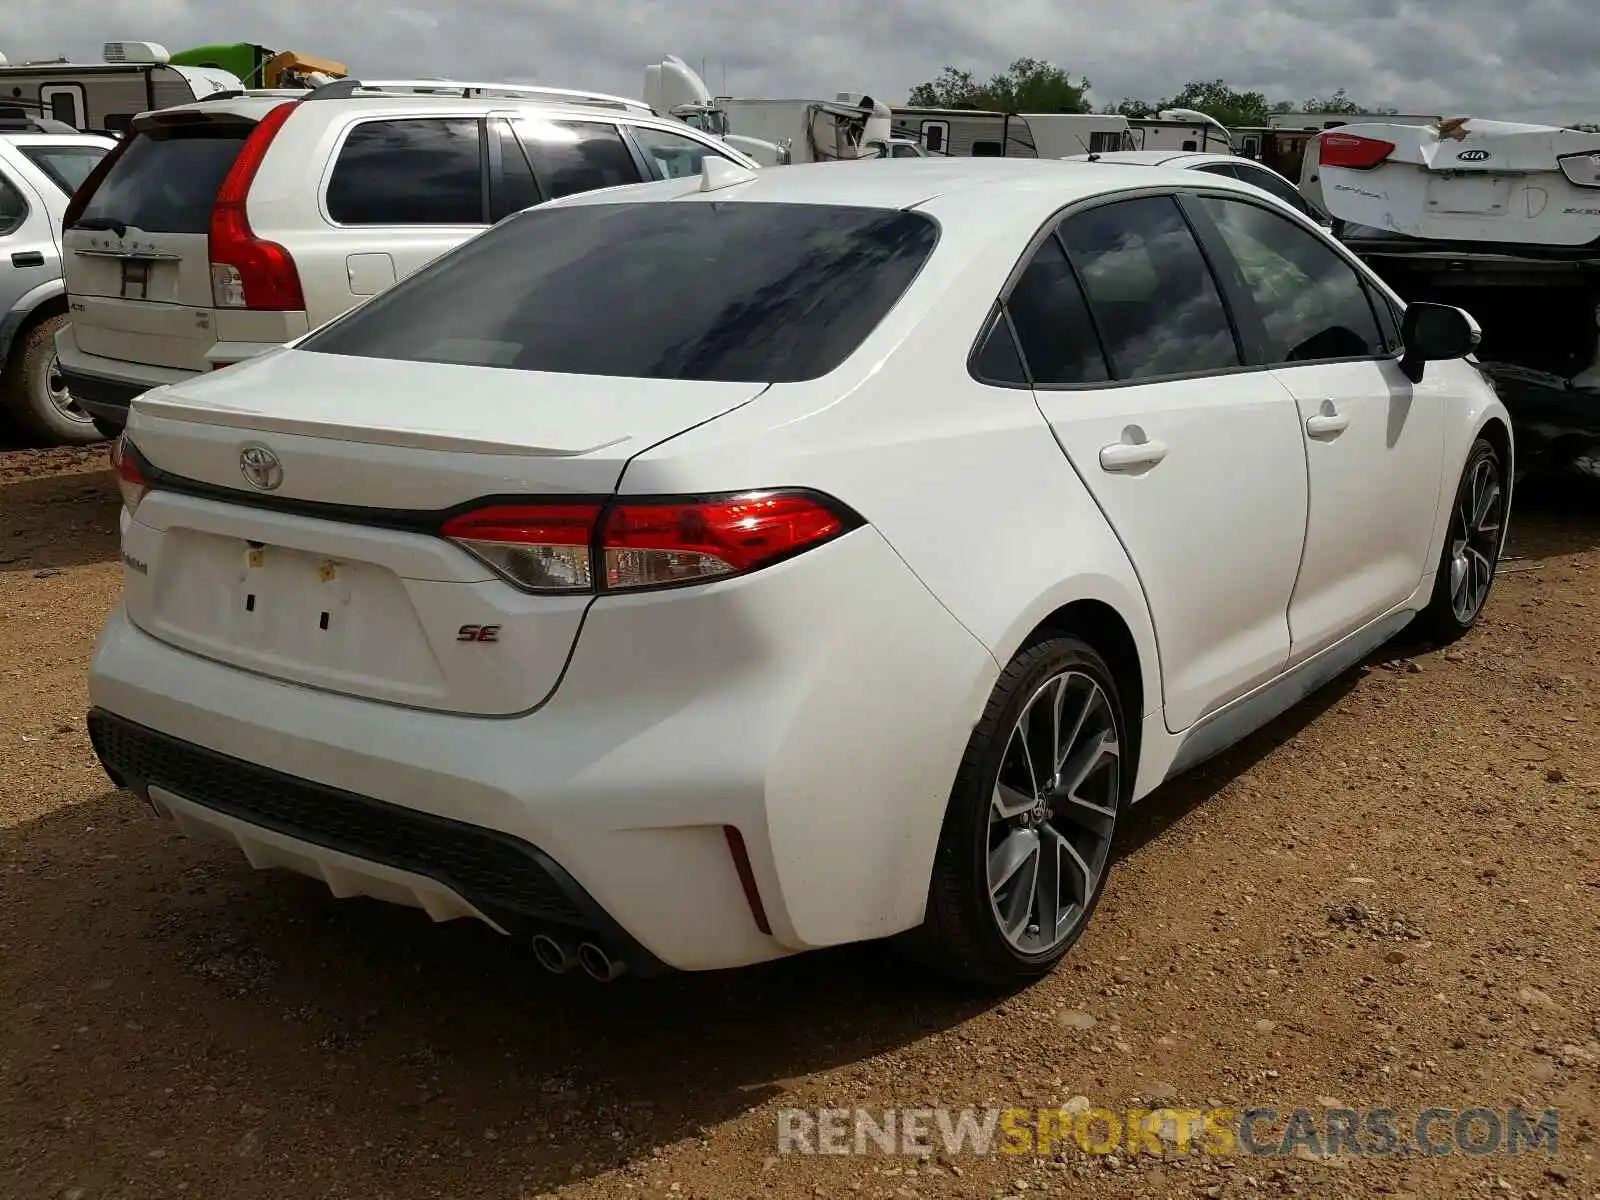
[
  {"x": 571, "y": 156},
  {"x": 403, "y": 190},
  {"x": 1373, "y": 440},
  {"x": 1196, "y": 463}
]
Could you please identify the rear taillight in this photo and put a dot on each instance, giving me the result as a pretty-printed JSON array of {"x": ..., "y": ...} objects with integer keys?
[
  {"x": 626, "y": 546},
  {"x": 1581, "y": 170},
  {"x": 247, "y": 271},
  {"x": 1357, "y": 153},
  {"x": 92, "y": 181},
  {"x": 130, "y": 479}
]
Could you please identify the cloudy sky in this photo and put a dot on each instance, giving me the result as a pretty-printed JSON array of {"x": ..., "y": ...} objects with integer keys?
[{"x": 1427, "y": 56}]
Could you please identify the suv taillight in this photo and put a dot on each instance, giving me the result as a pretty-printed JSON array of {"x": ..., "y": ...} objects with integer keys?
[
  {"x": 247, "y": 271},
  {"x": 1357, "y": 153},
  {"x": 92, "y": 181},
  {"x": 630, "y": 545}
]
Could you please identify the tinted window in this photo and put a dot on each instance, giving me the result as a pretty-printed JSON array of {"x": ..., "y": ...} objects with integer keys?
[
  {"x": 903, "y": 151},
  {"x": 1309, "y": 299},
  {"x": 577, "y": 156},
  {"x": 713, "y": 291},
  {"x": 517, "y": 189},
  {"x": 67, "y": 166},
  {"x": 1052, "y": 322},
  {"x": 998, "y": 360},
  {"x": 167, "y": 180},
  {"x": 1153, "y": 298},
  {"x": 675, "y": 156},
  {"x": 1271, "y": 182},
  {"x": 13, "y": 208},
  {"x": 409, "y": 172},
  {"x": 1225, "y": 169},
  {"x": 62, "y": 108}
]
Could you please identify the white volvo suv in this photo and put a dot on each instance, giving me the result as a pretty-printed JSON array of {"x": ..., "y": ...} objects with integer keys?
[
  {"x": 220, "y": 229},
  {"x": 696, "y": 573}
]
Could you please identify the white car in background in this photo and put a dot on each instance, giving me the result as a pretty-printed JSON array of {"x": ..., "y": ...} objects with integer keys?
[
  {"x": 700, "y": 572},
  {"x": 1229, "y": 166},
  {"x": 222, "y": 228}
]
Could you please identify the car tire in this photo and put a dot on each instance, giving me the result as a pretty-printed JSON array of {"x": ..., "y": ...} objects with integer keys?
[
  {"x": 108, "y": 429},
  {"x": 1472, "y": 546},
  {"x": 33, "y": 395},
  {"x": 981, "y": 925}
]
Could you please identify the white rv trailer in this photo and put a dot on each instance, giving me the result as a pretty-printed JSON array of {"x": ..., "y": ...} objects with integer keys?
[
  {"x": 104, "y": 97},
  {"x": 776, "y": 132},
  {"x": 976, "y": 133}
]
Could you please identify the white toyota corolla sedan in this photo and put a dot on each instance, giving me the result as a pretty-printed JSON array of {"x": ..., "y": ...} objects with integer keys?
[{"x": 691, "y": 574}]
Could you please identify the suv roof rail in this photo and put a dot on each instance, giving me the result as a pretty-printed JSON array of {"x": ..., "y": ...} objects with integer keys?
[{"x": 340, "y": 89}]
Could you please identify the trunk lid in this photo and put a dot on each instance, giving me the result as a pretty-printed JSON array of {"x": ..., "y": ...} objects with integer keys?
[
  {"x": 1470, "y": 181},
  {"x": 137, "y": 260},
  {"x": 335, "y": 578}
]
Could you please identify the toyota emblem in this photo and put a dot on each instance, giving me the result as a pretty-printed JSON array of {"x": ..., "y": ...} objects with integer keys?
[{"x": 260, "y": 468}]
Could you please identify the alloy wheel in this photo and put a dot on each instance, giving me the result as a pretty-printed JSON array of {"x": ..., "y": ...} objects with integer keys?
[
  {"x": 55, "y": 386},
  {"x": 1475, "y": 527},
  {"x": 1053, "y": 812}
]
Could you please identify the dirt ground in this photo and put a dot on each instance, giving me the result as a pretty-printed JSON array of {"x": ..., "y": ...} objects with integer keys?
[{"x": 1390, "y": 898}]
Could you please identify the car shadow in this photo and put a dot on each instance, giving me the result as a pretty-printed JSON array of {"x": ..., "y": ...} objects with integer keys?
[
  {"x": 1552, "y": 517},
  {"x": 57, "y": 521}
]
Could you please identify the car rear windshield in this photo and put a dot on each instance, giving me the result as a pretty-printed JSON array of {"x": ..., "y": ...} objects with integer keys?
[
  {"x": 167, "y": 180},
  {"x": 66, "y": 166},
  {"x": 728, "y": 291}
]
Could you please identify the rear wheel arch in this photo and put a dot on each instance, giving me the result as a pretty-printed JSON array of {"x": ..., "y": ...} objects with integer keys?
[
  {"x": 1104, "y": 628},
  {"x": 54, "y": 304},
  {"x": 1498, "y": 434}
]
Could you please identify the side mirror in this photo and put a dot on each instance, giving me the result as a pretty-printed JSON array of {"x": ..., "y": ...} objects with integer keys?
[{"x": 1435, "y": 333}]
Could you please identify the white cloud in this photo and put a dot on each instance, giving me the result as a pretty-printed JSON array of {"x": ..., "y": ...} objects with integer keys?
[{"x": 1452, "y": 56}]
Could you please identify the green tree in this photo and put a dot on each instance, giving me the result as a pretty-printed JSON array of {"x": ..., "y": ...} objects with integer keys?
[
  {"x": 1341, "y": 103},
  {"x": 1028, "y": 85},
  {"x": 1133, "y": 109},
  {"x": 1217, "y": 100}
]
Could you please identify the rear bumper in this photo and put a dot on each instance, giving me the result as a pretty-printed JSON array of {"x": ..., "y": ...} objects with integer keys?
[
  {"x": 104, "y": 387},
  {"x": 819, "y": 708}
]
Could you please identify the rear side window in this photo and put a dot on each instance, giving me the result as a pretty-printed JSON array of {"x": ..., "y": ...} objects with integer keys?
[
  {"x": 1153, "y": 298},
  {"x": 706, "y": 290},
  {"x": 411, "y": 171},
  {"x": 66, "y": 166},
  {"x": 167, "y": 180},
  {"x": 1052, "y": 321},
  {"x": 675, "y": 156},
  {"x": 1310, "y": 300},
  {"x": 577, "y": 156},
  {"x": 13, "y": 208},
  {"x": 1274, "y": 184}
]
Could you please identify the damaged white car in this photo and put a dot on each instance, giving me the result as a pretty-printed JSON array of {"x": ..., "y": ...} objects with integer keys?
[{"x": 1502, "y": 220}]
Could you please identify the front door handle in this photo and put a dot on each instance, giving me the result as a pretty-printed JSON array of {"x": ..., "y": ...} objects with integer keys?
[
  {"x": 1328, "y": 423},
  {"x": 1131, "y": 456},
  {"x": 27, "y": 258}
]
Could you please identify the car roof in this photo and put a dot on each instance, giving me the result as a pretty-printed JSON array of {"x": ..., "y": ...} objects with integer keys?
[
  {"x": 996, "y": 189},
  {"x": 1185, "y": 159}
]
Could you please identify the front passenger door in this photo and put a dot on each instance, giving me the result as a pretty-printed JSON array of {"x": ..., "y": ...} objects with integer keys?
[
  {"x": 1195, "y": 463},
  {"x": 1374, "y": 442}
]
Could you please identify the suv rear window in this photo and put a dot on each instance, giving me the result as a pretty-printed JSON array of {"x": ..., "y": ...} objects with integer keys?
[
  {"x": 728, "y": 291},
  {"x": 167, "y": 180}
]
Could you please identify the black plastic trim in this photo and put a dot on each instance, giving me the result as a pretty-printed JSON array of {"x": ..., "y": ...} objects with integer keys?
[{"x": 173, "y": 764}]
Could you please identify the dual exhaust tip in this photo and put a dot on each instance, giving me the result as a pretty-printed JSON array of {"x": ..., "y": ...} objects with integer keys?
[{"x": 558, "y": 957}]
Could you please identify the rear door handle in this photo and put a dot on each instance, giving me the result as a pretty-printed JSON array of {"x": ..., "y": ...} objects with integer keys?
[
  {"x": 1131, "y": 456},
  {"x": 1328, "y": 423},
  {"x": 27, "y": 258}
]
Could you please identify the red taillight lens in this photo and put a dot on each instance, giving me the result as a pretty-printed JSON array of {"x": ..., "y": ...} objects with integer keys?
[
  {"x": 648, "y": 545},
  {"x": 554, "y": 547},
  {"x": 92, "y": 181},
  {"x": 246, "y": 271},
  {"x": 1348, "y": 150},
  {"x": 540, "y": 547},
  {"x": 130, "y": 479}
]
